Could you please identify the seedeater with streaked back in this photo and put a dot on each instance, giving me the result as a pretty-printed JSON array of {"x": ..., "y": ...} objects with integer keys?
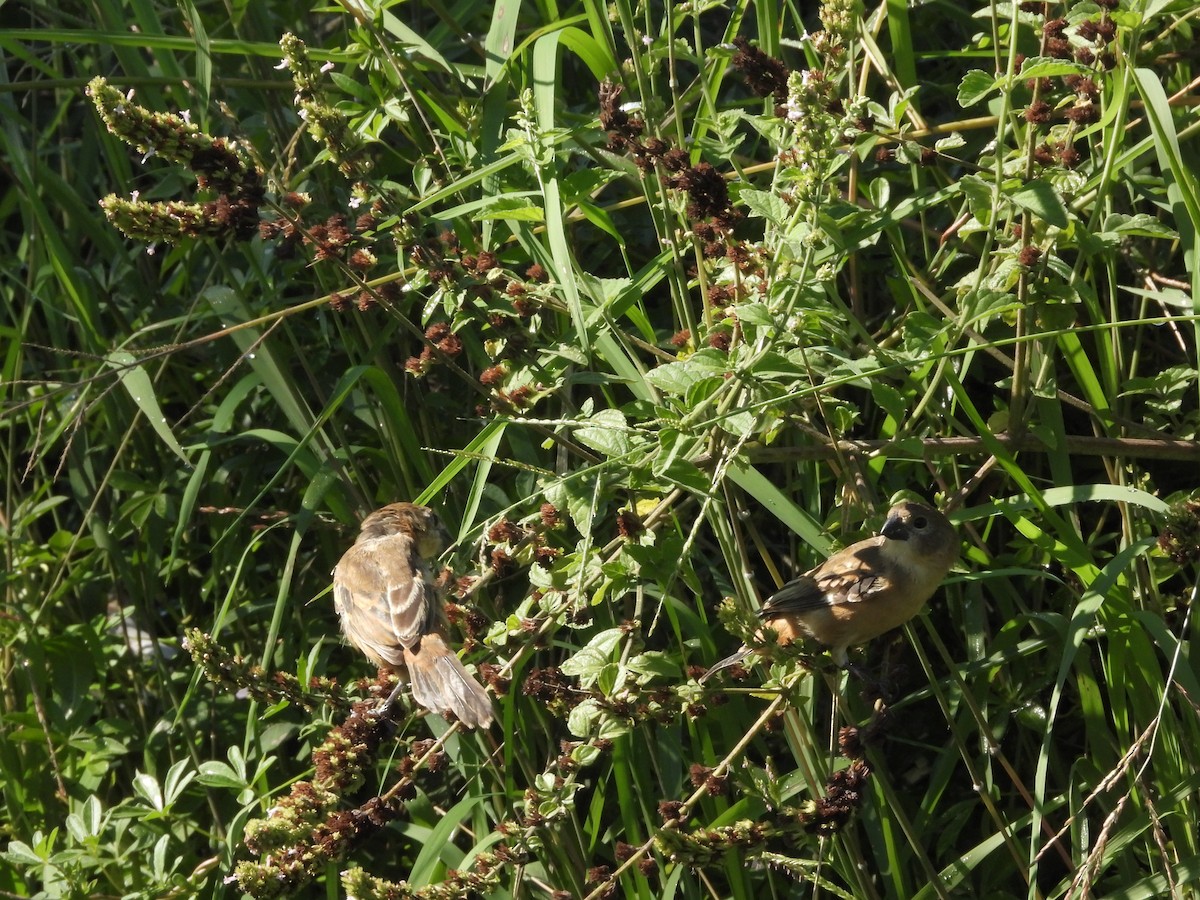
[
  {"x": 390, "y": 609},
  {"x": 866, "y": 589}
]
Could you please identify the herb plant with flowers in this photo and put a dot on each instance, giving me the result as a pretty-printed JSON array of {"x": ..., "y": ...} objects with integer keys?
[{"x": 653, "y": 304}]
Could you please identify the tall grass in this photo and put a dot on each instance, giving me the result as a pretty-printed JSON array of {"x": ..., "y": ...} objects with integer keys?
[{"x": 656, "y": 305}]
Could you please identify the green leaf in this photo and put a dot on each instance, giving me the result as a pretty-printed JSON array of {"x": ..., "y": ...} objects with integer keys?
[
  {"x": 438, "y": 846},
  {"x": 739, "y": 424},
  {"x": 178, "y": 778},
  {"x": 147, "y": 787},
  {"x": 655, "y": 664},
  {"x": 671, "y": 462},
  {"x": 980, "y": 196},
  {"x": 141, "y": 390},
  {"x": 21, "y": 854},
  {"x": 1049, "y": 67},
  {"x": 675, "y": 377},
  {"x": 755, "y": 314},
  {"x": 680, "y": 376},
  {"x": 352, "y": 88},
  {"x": 606, "y": 432},
  {"x": 611, "y": 727},
  {"x": 773, "y": 366},
  {"x": 1140, "y": 225},
  {"x": 215, "y": 773},
  {"x": 576, "y": 497},
  {"x": 588, "y": 663},
  {"x": 583, "y": 718},
  {"x": 1166, "y": 142},
  {"x": 765, "y": 204},
  {"x": 975, "y": 85},
  {"x": 611, "y": 680},
  {"x": 1040, "y": 198},
  {"x": 588, "y": 49},
  {"x": 510, "y": 208},
  {"x": 890, "y": 400}
]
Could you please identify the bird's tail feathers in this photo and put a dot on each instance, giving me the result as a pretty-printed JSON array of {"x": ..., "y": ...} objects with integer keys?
[
  {"x": 441, "y": 683},
  {"x": 728, "y": 661}
]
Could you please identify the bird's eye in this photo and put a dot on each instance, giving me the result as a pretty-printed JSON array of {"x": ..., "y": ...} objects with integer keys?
[{"x": 920, "y": 522}]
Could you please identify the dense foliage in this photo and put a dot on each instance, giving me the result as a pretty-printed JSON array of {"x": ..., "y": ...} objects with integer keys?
[{"x": 656, "y": 304}]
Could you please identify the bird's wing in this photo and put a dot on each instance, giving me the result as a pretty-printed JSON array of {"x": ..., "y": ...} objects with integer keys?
[
  {"x": 385, "y": 592},
  {"x": 848, "y": 576}
]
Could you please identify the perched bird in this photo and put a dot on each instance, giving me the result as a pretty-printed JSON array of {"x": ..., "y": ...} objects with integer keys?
[
  {"x": 391, "y": 611},
  {"x": 867, "y": 588}
]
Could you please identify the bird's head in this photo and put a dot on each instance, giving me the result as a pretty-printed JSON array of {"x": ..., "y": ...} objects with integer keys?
[
  {"x": 418, "y": 522},
  {"x": 928, "y": 534}
]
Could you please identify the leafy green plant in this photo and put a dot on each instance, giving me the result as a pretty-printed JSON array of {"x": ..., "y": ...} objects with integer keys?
[{"x": 654, "y": 304}]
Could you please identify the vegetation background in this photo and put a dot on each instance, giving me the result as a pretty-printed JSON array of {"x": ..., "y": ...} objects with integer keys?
[{"x": 655, "y": 304}]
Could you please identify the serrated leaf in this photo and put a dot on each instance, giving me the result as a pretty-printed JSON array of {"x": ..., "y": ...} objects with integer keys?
[
  {"x": 755, "y": 314},
  {"x": 606, "y": 432},
  {"x": 1049, "y": 67},
  {"x": 766, "y": 205},
  {"x": 654, "y": 664},
  {"x": 774, "y": 366},
  {"x": 890, "y": 400},
  {"x": 739, "y": 424},
  {"x": 714, "y": 362},
  {"x": 589, "y": 661},
  {"x": 1140, "y": 225},
  {"x": 606, "y": 291},
  {"x": 979, "y": 195},
  {"x": 677, "y": 377},
  {"x": 975, "y": 85},
  {"x": 510, "y": 208},
  {"x": 574, "y": 496}
]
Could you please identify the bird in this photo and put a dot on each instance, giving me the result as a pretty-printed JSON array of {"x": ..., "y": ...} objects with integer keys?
[
  {"x": 390, "y": 610},
  {"x": 865, "y": 589}
]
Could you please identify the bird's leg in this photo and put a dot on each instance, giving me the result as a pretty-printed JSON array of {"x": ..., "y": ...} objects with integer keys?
[
  {"x": 860, "y": 672},
  {"x": 878, "y": 684},
  {"x": 384, "y": 710}
]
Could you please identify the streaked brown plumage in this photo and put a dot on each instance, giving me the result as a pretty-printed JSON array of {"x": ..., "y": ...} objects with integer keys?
[
  {"x": 390, "y": 610},
  {"x": 866, "y": 589}
]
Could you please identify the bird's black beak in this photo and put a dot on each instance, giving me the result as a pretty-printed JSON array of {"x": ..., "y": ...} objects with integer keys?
[{"x": 895, "y": 529}]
